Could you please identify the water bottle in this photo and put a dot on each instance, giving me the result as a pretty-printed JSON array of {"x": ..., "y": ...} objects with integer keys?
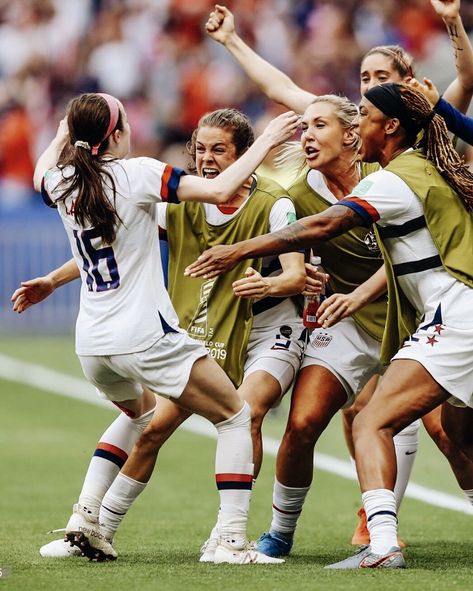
[{"x": 312, "y": 302}]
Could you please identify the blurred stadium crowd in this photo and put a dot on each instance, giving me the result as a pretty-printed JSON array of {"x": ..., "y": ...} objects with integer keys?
[{"x": 154, "y": 56}]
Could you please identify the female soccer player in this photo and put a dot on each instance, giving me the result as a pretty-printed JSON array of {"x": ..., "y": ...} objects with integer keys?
[
  {"x": 127, "y": 335},
  {"x": 256, "y": 337}
]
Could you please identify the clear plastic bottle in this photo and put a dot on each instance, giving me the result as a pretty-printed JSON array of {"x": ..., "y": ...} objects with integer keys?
[{"x": 312, "y": 302}]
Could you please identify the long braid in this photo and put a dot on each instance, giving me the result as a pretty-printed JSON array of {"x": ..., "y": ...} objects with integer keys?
[{"x": 439, "y": 147}]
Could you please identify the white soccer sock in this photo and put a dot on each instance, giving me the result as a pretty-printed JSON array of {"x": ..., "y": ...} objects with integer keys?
[
  {"x": 469, "y": 495},
  {"x": 380, "y": 507},
  {"x": 111, "y": 453},
  {"x": 287, "y": 507},
  {"x": 234, "y": 474},
  {"x": 116, "y": 502},
  {"x": 406, "y": 443}
]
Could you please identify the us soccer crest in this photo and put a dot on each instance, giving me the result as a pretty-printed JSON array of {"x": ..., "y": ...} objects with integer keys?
[{"x": 322, "y": 339}]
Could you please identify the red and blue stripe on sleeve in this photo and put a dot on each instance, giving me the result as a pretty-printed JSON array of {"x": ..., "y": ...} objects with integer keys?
[
  {"x": 170, "y": 183},
  {"x": 365, "y": 210}
]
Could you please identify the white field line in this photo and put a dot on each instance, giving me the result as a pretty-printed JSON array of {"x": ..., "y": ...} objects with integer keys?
[{"x": 54, "y": 382}]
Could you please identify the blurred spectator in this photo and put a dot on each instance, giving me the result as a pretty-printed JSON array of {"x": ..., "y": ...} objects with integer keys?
[{"x": 155, "y": 56}]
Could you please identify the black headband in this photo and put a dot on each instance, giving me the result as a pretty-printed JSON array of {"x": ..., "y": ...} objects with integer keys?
[{"x": 387, "y": 98}]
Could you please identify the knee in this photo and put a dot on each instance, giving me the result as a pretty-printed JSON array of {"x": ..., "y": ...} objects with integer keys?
[
  {"x": 302, "y": 432},
  {"x": 365, "y": 424}
]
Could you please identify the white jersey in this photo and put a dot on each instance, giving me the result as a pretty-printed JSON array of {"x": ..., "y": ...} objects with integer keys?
[
  {"x": 124, "y": 306},
  {"x": 281, "y": 215},
  {"x": 384, "y": 198}
]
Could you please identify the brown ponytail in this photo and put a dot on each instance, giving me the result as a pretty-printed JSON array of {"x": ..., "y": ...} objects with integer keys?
[{"x": 88, "y": 119}]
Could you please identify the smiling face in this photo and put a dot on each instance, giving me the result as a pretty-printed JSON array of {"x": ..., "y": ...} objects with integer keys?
[
  {"x": 323, "y": 138},
  {"x": 377, "y": 69},
  {"x": 214, "y": 151}
]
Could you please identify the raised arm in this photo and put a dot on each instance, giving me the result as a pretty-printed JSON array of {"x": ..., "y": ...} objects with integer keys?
[
  {"x": 460, "y": 91},
  {"x": 36, "y": 290},
  {"x": 50, "y": 156},
  {"x": 307, "y": 232},
  {"x": 272, "y": 82},
  {"x": 221, "y": 188}
]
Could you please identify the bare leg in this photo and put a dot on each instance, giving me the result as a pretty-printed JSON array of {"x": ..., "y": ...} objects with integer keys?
[
  {"x": 261, "y": 390},
  {"x": 406, "y": 392},
  {"x": 458, "y": 425},
  {"x": 349, "y": 414},
  {"x": 167, "y": 418},
  {"x": 317, "y": 396}
]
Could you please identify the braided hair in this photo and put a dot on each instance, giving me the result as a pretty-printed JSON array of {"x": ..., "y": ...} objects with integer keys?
[
  {"x": 437, "y": 143},
  {"x": 415, "y": 114}
]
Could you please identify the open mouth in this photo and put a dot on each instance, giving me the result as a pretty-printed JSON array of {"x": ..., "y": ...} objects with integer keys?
[
  {"x": 210, "y": 173},
  {"x": 311, "y": 152}
]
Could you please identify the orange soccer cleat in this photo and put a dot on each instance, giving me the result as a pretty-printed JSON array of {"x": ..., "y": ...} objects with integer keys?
[{"x": 361, "y": 535}]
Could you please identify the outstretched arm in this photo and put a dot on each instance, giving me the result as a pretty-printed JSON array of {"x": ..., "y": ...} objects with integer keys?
[
  {"x": 305, "y": 233},
  {"x": 272, "y": 82},
  {"x": 460, "y": 91},
  {"x": 36, "y": 290},
  {"x": 226, "y": 184}
]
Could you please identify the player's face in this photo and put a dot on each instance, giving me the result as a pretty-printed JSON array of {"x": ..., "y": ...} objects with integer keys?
[
  {"x": 214, "y": 151},
  {"x": 372, "y": 131},
  {"x": 377, "y": 69},
  {"x": 322, "y": 136}
]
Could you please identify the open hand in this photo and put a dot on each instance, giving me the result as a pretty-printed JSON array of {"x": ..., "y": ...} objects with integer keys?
[
  {"x": 428, "y": 89},
  {"x": 31, "y": 292},
  {"x": 337, "y": 307},
  {"x": 213, "y": 262},
  {"x": 282, "y": 128}
]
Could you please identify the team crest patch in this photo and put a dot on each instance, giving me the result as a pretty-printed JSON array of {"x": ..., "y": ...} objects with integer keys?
[
  {"x": 291, "y": 217},
  {"x": 322, "y": 339},
  {"x": 362, "y": 188},
  {"x": 371, "y": 242}
]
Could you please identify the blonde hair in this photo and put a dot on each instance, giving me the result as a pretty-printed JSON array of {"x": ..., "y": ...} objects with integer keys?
[{"x": 291, "y": 155}]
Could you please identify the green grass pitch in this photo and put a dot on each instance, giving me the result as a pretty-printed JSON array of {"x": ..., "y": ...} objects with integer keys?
[{"x": 45, "y": 444}]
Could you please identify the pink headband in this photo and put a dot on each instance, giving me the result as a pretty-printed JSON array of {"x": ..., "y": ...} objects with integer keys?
[{"x": 114, "y": 114}]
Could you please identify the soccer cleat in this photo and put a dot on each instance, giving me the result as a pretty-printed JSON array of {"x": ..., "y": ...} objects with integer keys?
[
  {"x": 229, "y": 554},
  {"x": 361, "y": 535},
  {"x": 364, "y": 558},
  {"x": 59, "y": 549},
  {"x": 273, "y": 545},
  {"x": 207, "y": 552},
  {"x": 83, "y": 531}
]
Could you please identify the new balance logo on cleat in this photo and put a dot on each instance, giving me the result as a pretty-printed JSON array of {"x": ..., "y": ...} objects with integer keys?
[
  {"x": 226, "y": 553},
  {"x": 83, "y": 531}
]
